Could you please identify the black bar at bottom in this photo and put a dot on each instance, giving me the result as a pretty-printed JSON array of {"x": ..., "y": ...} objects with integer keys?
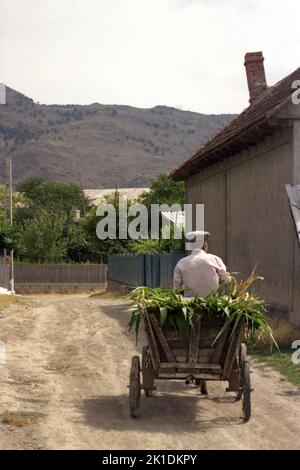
[{"x": 136, "y": 458}]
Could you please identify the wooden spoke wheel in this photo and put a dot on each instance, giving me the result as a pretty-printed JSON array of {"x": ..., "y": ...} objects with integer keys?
[
  {"x": 245, "y": 383},
  {"x": 241, "y": 359},
  {"x": 134, "y": 387},
  {"x": 147, "y": 364},
  {"x": 202, "y": 386}
]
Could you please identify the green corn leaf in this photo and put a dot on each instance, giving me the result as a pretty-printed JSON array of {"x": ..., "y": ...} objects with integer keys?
[
  {"x": 184, "y": 311},
  {"x": 163, "y": 315},
  {"x": 233, "y": 302}
]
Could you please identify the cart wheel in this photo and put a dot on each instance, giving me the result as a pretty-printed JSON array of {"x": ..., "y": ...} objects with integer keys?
[
  {"x": 146, "y": 363},
  {"x": 246, "y": 384},
  {"x": 203, "y": 387},
  {"x": 134, "y": 387},
  {"x": 242, "y": 358}
]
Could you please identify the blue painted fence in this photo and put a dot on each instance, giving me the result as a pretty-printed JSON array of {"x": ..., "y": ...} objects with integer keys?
[{"x": 143, "y": 270}]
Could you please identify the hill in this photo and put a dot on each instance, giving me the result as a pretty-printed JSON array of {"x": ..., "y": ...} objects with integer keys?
[{"x": 103, "y": 145}]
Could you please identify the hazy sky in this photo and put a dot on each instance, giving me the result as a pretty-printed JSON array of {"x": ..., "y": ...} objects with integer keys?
[{"x": 182, "y": 53}]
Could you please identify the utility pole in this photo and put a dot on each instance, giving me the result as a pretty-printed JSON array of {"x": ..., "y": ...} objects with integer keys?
[
  {"x": 8, "y": 214},
  {"x": 81, "y": 187},
  {"x": 6, "y": 190}
]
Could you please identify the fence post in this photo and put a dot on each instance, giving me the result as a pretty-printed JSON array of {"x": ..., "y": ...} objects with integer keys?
[{"x": 144, "y": 269}]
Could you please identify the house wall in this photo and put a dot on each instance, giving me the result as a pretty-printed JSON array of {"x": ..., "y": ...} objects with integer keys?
[
  {"x": 211, "y": 193},
  {"x": 248, "y": 214},
  {"x": 296, "y": 162}
]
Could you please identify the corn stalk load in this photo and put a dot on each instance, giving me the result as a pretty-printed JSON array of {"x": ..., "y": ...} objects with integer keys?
[{"x": 234, "y": 301}]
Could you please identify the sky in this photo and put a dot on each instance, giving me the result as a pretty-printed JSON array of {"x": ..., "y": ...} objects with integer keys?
[{"x": 187, "y": 54}]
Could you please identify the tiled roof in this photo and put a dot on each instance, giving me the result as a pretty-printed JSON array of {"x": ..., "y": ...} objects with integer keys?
[{"x": 253, "y": 124}]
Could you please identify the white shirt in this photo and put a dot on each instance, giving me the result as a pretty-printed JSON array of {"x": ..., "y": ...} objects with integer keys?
[{"x": 199, "y": 273}]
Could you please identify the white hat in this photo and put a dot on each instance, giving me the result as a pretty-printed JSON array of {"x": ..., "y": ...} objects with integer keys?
[{"x": 195, "y": 239}]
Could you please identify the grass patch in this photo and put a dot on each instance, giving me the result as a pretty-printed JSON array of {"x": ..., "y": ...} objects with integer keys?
[
  {"x": 284, "y": 333},
  {"x": 19, "y": 418},
  {"x": 7, "y": 300},
  {"x": 34, "y": 400},
  {"x": 12, "y": 299},
  {"x": 280, "y": 361}
]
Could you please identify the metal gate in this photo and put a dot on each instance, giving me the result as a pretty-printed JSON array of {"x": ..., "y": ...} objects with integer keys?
[{"x": 151, "y": 270}]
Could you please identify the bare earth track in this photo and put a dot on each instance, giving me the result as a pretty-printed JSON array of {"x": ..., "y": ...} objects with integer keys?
[{"x": 68, "y": 359}]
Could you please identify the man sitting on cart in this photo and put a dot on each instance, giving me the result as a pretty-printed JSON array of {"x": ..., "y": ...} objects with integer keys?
[{"x": 199, "y": 273}]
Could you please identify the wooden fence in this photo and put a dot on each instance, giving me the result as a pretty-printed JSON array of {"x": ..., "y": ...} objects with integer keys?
[
  {"x": 63, "y": 277},
  {"x": 4, "y": 275}
]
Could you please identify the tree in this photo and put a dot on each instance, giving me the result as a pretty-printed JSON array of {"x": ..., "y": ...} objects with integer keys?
[
  {"x": 31, "y": 187},
  {"x": 101, "y": 247},
  {"x": 51, "y": 195},
  {"x": 163, "y": 190},
  {"x": 9, "y": 237},
  {"x": 48, "y": 234},
  {"x": 79, "y": 249},
  {"x": 43, "y": 239},
  {"x": 48, "y": 231},
  {"x": 17, "y": 198},
  {"x": 163, "y": 245}
]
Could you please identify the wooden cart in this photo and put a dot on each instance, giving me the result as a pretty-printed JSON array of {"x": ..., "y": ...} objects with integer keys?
[{"x": 173, "y": 356}]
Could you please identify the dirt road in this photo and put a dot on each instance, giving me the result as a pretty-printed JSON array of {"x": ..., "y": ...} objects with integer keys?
[{"x": 66, "y": 374}]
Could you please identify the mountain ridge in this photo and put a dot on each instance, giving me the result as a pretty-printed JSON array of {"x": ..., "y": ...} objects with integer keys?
[{"x": 99, "y": 145}]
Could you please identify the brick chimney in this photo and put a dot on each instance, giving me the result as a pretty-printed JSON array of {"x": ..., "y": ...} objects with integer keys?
[{"x": 254, "y": 63}]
